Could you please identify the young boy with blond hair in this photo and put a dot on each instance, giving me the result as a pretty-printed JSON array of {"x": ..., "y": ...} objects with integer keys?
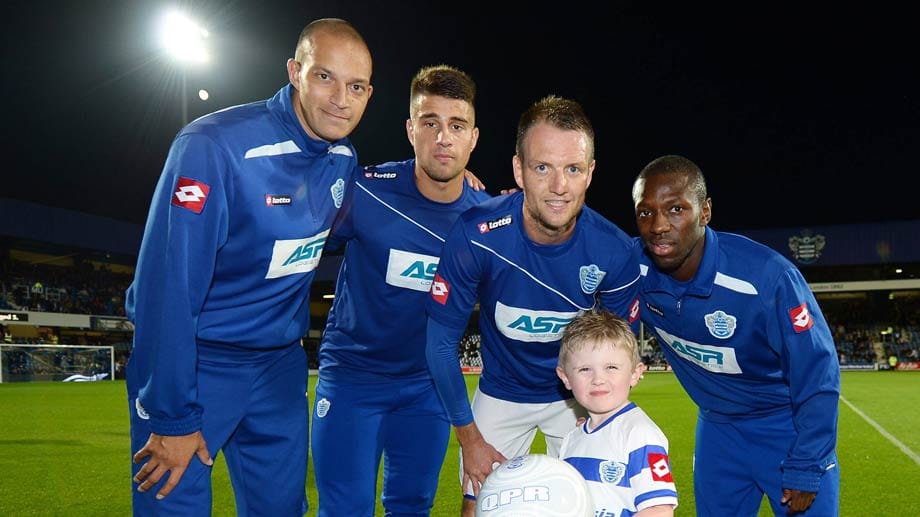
[{"x": 619, "y": 450}]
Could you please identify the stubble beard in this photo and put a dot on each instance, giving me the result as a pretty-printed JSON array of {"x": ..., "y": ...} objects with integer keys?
[{"x": 549, "y": 229}]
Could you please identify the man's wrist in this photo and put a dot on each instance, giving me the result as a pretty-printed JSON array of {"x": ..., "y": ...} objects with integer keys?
[{"x": 467, "y": 434}]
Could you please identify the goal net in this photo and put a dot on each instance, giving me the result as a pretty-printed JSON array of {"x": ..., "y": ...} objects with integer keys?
[{"x": 32, "y": 363}]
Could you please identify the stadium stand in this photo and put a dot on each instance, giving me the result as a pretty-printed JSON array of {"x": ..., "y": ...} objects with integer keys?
[{"x": 63, "y": 276}]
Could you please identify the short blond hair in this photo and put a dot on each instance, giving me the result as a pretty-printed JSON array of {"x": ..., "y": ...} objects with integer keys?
[{"x": 596, "y": 329}]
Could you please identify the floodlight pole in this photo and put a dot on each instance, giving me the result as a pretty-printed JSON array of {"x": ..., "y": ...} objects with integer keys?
[{"x": 184, "y": 95}]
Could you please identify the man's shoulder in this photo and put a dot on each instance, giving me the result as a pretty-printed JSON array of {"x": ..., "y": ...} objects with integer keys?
[
  {"x": 501, "y": 205},
  {"x": 388, "y": 170},
  {"x": 385, "y": 177},
  {"x": 493, "y": 213},
  {"x": 596, "y": 225},
  {"x": 242, "y": 117},
  {"x": 742, "y": 253}
]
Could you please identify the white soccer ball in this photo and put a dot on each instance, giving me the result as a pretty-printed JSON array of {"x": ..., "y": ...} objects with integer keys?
[{"x": 534, "y": 485}]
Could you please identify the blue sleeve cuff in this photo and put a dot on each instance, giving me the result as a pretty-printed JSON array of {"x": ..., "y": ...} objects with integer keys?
[
  {"x": 802, "y": 480},
  {"x": 176, "y": 426}
]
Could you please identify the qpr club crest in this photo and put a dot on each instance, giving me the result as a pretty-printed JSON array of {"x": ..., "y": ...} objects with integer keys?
[
  {"x": 590, "y": 278},
  {"x": 338, "y": 192},
  {"x": 806, "y": 248},
  {"x": 721, "y": 324},
  {"x": 611, "y": 471},
  {"x": 322, "y": 407}
]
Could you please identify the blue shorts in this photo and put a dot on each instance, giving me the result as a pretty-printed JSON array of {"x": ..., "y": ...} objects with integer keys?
[
  {"x": 256, "y": 413},
  {"x": 355, "y": 424},
  {"x": 738, "y": 462}
]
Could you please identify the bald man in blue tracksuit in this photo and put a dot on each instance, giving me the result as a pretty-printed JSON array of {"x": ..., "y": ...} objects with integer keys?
[{"x": 220, "y": 298}]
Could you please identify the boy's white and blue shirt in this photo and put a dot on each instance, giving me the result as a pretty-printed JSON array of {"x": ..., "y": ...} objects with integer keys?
[{"x": 625, "y": 462}]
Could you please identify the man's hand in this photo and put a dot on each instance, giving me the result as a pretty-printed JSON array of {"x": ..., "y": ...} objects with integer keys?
[
  {"x": 797, "y": 500},
  {"x": 474, "y": 182},
  {"x": 478, "y": 456},
  {"x": 169, "y": 454}
]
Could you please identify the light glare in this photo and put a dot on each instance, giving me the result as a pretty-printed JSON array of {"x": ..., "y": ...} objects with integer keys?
[
  {"x": 183, "y": 38},
  {"x": 203, "y": 95}
]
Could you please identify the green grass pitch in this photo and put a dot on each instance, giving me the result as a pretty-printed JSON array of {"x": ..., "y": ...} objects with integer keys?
[{"x": 64, "y": 447}]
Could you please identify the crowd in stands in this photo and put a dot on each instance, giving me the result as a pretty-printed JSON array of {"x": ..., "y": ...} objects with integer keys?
[
  {"x": 468, "y": 351},
  {"x": 867, "y": 329},
  {"x": 873, "y": 328},
  {"x": 81, "y": 289}
]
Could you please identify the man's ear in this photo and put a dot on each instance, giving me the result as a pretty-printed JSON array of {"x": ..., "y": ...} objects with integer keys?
[
  {"x": 518, "y": 171},
  {"x": 293, "y": 70},
  {"x": 410, "y": 132},
  {"x": 706, "y": 212}
]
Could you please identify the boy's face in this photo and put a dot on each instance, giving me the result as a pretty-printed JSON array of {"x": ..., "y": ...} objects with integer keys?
[{"x": 600, "y": 378}]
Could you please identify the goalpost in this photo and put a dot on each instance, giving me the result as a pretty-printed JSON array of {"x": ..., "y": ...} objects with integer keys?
[{"x": 20, "y": 362}]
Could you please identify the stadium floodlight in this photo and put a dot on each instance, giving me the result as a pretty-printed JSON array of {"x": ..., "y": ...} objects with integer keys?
[{"x": 183, "y": 39}]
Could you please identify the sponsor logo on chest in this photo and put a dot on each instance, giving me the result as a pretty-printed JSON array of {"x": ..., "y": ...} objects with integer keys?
[
  {"x": 716, "y": 359},
  {"x": 530, "y": 325},
  {"x": 290, "y": 257},
  {"x": 411, "y": 270}
]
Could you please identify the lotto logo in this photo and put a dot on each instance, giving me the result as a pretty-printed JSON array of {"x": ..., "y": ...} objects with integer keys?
[
  {"x": 634, "y": 311},
  {"x": 801, "y": 318},
  {"x": 272, "y": 200},
  {"x": 190, "y": 194},
  {"x": 658, "y": 463},
  {"x": 440, "y": 289},
  {"x": 488, "y": 226}
]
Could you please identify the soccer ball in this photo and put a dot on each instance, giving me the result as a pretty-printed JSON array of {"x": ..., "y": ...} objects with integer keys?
[{"x": 534, "y": 485}]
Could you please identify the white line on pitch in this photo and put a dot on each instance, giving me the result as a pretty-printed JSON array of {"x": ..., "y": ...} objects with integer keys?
[{"x": 905, "y": 449}]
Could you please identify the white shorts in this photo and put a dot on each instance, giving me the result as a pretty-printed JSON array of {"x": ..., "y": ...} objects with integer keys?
[{"x": 510, "y": 427}]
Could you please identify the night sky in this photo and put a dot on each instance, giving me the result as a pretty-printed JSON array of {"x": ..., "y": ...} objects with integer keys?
[{"x": 796, "y": 117}]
